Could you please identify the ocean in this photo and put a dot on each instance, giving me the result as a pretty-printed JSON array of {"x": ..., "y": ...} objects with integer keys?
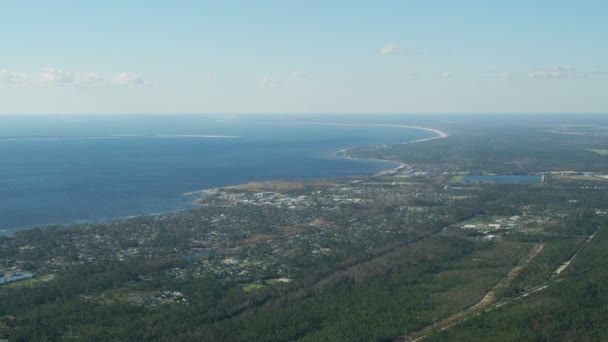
[{"x": 90, "y": 168}]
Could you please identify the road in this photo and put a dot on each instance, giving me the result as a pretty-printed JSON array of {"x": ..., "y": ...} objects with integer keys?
[
  {"x": 485, "y": 302},
  {"x": 488, "y": 302}
]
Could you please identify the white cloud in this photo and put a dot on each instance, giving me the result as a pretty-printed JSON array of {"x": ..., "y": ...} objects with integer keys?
[
  {"x": 556, "y": 73},
  {"x": 12, "y": 76},
  {"x": 56, "y": 77},
  {"x": 52, "y": 77},
  {"x": 445, "y": 75},
  {"x": 390, "y": 49},
  {"x": 126, "y": 79},
  {"x": 268, "y": 80},
  {"x": 297, "y": 74}
]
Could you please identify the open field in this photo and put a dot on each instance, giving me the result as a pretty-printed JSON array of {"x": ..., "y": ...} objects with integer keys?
[
  {"x": 600, "y": 152},
  {"x": 457, "y": 179},
  {"x": 253, "y": 287}
]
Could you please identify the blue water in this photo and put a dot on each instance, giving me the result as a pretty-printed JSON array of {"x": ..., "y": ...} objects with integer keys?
[
  {"x": 505, "y": 179},
  {"x": 71, "y": 169}
]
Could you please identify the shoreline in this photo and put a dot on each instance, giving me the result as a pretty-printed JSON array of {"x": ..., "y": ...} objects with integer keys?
[
  {"x": 8, "y": 232},
  {"x": 439, "y": 135}
]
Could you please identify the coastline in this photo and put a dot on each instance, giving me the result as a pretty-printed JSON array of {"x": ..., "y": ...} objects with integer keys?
[
  {"x": 439, "y": 135},
  {"x": 188, "y": 206}
]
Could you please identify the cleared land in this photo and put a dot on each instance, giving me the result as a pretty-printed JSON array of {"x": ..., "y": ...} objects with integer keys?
[
  {"x": 600, "y": 152},
  {"x": 457, "y": 179},
  {"x": 487, "y": 300}
]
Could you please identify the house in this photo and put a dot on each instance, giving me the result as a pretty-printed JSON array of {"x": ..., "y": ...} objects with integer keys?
[{"x": 490, "y": 238}]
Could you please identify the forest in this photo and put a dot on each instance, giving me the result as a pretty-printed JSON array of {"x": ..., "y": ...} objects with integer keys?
[{"x": 370, "y": 258}]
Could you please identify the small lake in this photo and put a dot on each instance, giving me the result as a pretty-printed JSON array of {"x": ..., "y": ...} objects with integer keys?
[{"x": 506, "y": 178}]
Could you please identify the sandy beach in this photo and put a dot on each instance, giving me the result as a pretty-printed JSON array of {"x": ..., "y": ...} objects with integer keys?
[{"x": 440, "y": 134}]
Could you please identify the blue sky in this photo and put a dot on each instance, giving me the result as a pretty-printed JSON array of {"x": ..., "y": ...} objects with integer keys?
[{"x": 303, "y": 56}]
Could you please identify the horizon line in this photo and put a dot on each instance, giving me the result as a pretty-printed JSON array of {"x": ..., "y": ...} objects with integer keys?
[{"x": 302, "y": 113}]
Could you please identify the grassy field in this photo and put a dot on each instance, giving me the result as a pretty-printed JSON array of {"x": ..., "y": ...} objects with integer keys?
[
  {"x": 457, "y": 179},
  {"x": 253, "y": 287},
  {"x": 30, "y": 282},
  {"x": 600, "y": 152}
]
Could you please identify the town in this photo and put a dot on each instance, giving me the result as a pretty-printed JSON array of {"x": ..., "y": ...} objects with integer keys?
[{"x": 460, "y": 236}]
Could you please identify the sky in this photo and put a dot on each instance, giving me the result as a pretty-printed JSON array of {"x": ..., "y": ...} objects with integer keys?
[{"x": 264, "y": 56}]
